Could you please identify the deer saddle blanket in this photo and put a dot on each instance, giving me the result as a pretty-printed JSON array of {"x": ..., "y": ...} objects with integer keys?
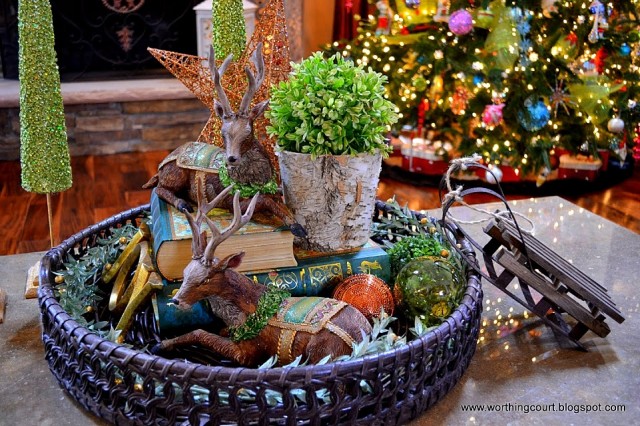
[
  {"x": 309, "y": 315},
  {"x": 200, "y": 156}
]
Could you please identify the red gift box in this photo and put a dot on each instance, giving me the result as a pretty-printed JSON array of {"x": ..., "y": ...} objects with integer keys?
[{"x": 579, "y": 167}]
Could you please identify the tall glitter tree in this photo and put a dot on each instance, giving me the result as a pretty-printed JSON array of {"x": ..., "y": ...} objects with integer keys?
[
  {"x": 516, "y": 81},
  {"x": 44, "y": 153},
  {"x": 229, "y": 32}
]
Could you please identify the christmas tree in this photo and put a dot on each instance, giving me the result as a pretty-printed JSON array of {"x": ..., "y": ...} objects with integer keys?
[
  {"x": 517, "y": 82},
  {"x": 44, "y": 153}
]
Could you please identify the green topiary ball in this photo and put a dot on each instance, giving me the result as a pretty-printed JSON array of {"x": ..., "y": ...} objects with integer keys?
[{"x": 430, "y": 288}]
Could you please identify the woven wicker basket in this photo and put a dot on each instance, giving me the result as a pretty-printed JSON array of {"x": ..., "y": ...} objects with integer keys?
[{"x": 126, "y": 386}]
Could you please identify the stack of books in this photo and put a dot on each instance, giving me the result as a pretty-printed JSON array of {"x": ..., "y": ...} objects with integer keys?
[{"x": 270, "y": 259}]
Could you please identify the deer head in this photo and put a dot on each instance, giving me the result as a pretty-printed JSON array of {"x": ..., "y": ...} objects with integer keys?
[
  {"x": 206, "y": 274},
  {"x": 237, "y": 127}
]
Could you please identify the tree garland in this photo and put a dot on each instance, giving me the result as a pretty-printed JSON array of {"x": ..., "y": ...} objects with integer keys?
[{"x": 268, "y": 306}]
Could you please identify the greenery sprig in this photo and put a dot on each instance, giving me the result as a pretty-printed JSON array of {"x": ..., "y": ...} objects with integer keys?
[
  {"x": 398, "y": 222},
  {"x": 77, "y": 291}
]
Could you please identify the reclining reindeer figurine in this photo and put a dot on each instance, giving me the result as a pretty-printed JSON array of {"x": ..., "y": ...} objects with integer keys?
[
  {"x": 244, "y": 157},
  {"x": 262, "y": 321}
]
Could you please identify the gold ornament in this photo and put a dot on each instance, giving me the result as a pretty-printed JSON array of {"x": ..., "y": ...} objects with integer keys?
[
  {"x": 59, "y": 279},
  {"x": 194, "y": 73}
]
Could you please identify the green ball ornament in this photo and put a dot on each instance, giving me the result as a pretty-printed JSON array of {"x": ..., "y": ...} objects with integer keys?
[
  {"x": 429, "y": 288},
  {"x": 420, "y": 83}
]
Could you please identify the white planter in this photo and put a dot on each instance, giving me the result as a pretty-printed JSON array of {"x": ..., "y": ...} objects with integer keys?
[{"x": 333, "y": 197}]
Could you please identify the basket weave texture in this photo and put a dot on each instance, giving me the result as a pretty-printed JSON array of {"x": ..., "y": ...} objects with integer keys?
[{"x": 127, "y": 386}]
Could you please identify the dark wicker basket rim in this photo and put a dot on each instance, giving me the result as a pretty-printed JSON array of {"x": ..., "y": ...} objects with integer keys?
[{"x": 143, "y": 362}]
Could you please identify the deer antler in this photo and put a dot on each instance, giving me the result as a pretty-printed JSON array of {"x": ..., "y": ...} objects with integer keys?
[
  {"x": 217, "y": 77},
  {"x": 239, "y": 220},
  {"x": 254, "y": 81},
  {"x": 198, "y": 242}
]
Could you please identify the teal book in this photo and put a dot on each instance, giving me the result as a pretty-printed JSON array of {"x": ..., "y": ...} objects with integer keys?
[
  {"x": 173, "y": 321},
  {"x": 318, "y": 272},
  {"x": 266, "y": 244}
]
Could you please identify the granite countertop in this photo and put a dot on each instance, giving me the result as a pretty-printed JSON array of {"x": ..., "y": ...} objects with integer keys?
[{"x": 520, "y": 374}]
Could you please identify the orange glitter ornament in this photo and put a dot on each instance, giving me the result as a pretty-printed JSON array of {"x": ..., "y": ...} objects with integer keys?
[
  {"x": 194, "y": 73},
  {"x": 367, "y": 293}
]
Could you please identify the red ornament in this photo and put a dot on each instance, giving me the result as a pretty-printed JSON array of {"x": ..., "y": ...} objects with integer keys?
[
  {"x": 601, "y": 55},
  {"x": 367, "y": 293}
]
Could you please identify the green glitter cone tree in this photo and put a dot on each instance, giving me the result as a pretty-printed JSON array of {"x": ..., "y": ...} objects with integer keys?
[
  {"x": 229, "y": 32},
  {"x": 44, "y": 153}
]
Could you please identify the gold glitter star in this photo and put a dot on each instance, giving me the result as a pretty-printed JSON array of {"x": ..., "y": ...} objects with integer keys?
[{"x": 194, "y": 73}]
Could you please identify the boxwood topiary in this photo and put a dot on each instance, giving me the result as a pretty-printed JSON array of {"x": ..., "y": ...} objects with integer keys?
[{"x": 330, "y": 106}]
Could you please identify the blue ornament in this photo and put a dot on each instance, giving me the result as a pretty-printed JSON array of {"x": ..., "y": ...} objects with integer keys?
[
  {"x": 478, "y": 79},
  {"x": 412, "y": 4},
  {"x": 625, "y": 49},
  {"x": 596, "y": 8},
  {"x": 534, "y": 116},
  {"x": 523, "y": 28}
]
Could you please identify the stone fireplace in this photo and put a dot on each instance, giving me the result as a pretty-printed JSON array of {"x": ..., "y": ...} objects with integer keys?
[
  {"x": 114, "y": 100},
  {"x": 107, "y": 39}
]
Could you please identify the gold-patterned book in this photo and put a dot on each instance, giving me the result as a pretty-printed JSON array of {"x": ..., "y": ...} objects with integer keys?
[
  {"x": 265, "y": 245},
  {"x": 317, "y": 272}
]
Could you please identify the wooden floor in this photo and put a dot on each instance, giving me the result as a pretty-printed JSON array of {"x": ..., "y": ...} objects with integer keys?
[{"x": 106, "y": 185}]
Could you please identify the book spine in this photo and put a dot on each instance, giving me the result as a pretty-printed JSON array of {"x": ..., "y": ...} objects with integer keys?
[
  {"x": 319, "y": 275},
  {"x": 160, "y": 226},
  {"x": 173, "y": 321}
]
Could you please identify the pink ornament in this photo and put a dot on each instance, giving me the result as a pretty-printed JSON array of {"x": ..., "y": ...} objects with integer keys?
[
  {"x": 460, "y": 22},
  {"x": 492, "y": 115}
]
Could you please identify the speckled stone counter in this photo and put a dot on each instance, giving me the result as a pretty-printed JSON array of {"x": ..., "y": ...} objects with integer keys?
[
  {"x": 520, "y": 374},
  {"x": 520, "y": 369}
]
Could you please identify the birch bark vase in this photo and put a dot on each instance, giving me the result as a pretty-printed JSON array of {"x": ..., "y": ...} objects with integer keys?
[{"x": 332, "y": 196}]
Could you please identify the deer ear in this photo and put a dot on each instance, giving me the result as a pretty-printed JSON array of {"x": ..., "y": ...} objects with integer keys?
[
  {"x": 232, "y": 261},
  {"x": 259, "y": 109},
  {"x": 217, "y": 106}
]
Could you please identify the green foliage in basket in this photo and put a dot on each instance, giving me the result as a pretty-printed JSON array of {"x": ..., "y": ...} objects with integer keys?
[
  {"x": 399, "y": 222},
  {"x": 330, "y": 106},
  {"x": 78, "y": 292},
  {"x": 411, "y": 247}
]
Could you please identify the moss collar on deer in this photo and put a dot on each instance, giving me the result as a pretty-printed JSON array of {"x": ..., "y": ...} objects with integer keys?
[
  {"x": 268, "y": 306},
  {"x": 246, "y": 190}
]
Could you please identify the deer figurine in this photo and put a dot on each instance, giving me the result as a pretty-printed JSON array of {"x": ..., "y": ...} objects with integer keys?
[
  {"x": 244, "y": 157},
  {"x": 261, "y": 321}
]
